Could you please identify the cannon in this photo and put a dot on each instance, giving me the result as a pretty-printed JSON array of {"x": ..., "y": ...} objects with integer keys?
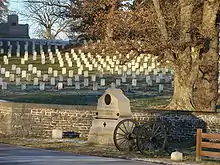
[{"x": 130, "y": 135}]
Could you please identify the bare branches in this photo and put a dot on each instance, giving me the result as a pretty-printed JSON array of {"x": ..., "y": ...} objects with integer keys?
[{"x": 46, "y": 15}]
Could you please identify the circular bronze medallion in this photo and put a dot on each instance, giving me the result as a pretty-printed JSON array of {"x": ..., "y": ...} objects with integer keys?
[{"x": 107, "y": 99}]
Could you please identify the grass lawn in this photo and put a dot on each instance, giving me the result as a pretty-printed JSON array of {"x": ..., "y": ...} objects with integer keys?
[{"x": 139, "y": 102}]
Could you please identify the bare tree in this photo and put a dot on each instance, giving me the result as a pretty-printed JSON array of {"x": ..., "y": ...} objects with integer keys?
[
  {"x": 3, "y": 9},
  {"x": 45, "y": 16}
]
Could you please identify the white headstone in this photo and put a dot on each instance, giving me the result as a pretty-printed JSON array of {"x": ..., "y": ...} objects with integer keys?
[
  {"x": 70, "y": 64},
  {"x": 4, "y": 86},
  {"x": 22, "y": 61},
  {"x": 12, "y": 78},
  {"x": 43, "y": 61},
  {"x": 30, "y": 67},
  {"x": 90, "y": 67},
  {"x": 34, "y": 70},
  {"x": 112, "y": 85},
  {"x": 7, "y": 74},
  {"x": 59, "y": 85},
  {"x": 2, "y": 51},
  {"x": 23, "y": 86},
  {"x": 147, "y": 78},
  {"x": 95, "y": 86},
  {"x": 79, "y": 72},
  {"x": 134, "y": 82},
  {"x": 26, "y": 56},
  {"x": 93, "y": 78},
  {"x": 34, "y": 57},
  {"x": 18, "y": 71},
  {"x": 160, "y": 87},
  {"x": 77, "y": 85},
  {"x": 18, "y": 53},
  {"x": 129, "y": 72},
  {"x": 45, "y": 77},
  {"x": 6, "y": 61},
  {"x": 52, "y": 61},
  {"x": 42, "y": 86},
  {"x": 102, "y": 83},
  {"x": 52, "y": 81},
  {"x": 13, "y": 67},
  {"x": 18, "y": 81},
  {"x": 23, "y": 74},
  {"x": 71, "y": 73},
  {"x": 76, "y": 77},
  {"x": 60, "y": 77},
  {"x": 2, "y": 70},
  {"x": 118, "y": 82},
  {"x": 123, "y": 79},
  {"x": 38, "y": 73},
  {"x": 86, "y": 82},
  {"x": 55, "y": 73},
  {"x": 149, "y": 82},
  {"x": 69, "y": 82},
  {"x": 50, "y": 70},
  {"x": 63, "y": 70},
  {"x": 28, "y": 77},
  {"x": 157, "y": 79},
  {"x": 86, "y": 73},
  {"x": 35, "y": 81}
]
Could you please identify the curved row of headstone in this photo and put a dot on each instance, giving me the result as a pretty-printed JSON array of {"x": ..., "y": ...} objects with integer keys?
[{"x": 79, "y": 70}]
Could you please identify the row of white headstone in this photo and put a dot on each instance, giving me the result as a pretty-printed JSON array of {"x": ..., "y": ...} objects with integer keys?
[
  {"x": 111, "y": 64},
  {"x": 60, "y": 85},
  {"x": 134, "y": 67},
  {"x": 26, "y": 48}
]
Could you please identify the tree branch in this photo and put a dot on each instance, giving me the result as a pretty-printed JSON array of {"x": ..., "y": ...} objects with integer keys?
[
  {"x": 186, "y": 8},
  {"x": 161, "y": 20}
]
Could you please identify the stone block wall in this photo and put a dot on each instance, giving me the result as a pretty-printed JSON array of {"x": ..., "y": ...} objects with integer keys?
[
  {"x": 38, "y": 120},
  {"x": 5, "y": 119},
  {"x": 181, "y": 125}
]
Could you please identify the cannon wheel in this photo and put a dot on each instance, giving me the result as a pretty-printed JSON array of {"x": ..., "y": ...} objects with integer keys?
[
  {"x": 124, "y": 136},
  {"x": 151, "y": 137}
]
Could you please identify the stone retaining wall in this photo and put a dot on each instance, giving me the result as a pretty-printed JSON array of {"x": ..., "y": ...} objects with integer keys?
[{"x": 38, "y": 120}]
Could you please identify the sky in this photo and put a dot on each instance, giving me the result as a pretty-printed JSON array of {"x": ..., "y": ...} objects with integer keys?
[{"x": 16, "y": 6}]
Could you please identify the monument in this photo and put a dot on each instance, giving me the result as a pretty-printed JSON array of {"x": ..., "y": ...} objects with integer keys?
[
  {"x": 12, "y": 28},
  {"x": 113, "y": 106}
]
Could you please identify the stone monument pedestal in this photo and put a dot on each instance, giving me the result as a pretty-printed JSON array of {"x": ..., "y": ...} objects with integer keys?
[
  {"x": 112, "y": 107},
  {"x": 102, "y": 131}
]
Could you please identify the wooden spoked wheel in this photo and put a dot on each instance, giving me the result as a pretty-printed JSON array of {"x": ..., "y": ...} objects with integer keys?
[
  {"x": 124, "y": 135},
  {"x": 151, "y": 137}
]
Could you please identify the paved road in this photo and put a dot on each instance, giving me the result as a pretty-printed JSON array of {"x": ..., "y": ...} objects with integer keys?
[{"x": 10, "y": 155}]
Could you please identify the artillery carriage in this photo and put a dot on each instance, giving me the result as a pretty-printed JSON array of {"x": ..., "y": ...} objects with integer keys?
[{"x": 130, "y": 135}]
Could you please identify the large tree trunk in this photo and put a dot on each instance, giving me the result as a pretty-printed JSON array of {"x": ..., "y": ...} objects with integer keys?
[
  {"x": 49, "y": 34},
  {"x": 186, "y": 72},
  {"x": 183, "y": 92},
  {"x": 206, "y": 92}
]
